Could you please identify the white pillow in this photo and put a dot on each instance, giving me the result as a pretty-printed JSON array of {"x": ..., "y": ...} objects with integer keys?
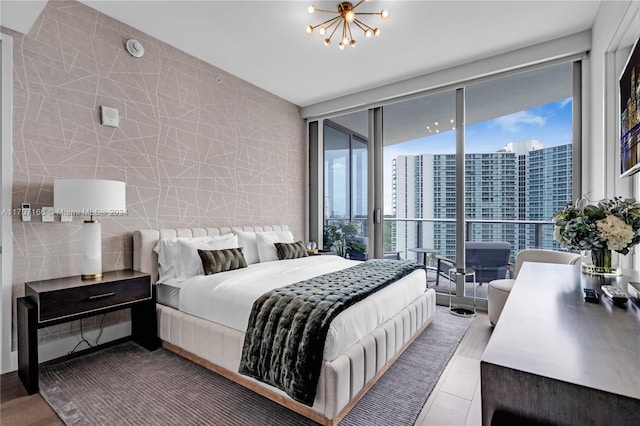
[
  {"x": 266, "y": 244},
  {"x": 168, "y": 251},
  {"x": 190, "y": 263},
  {"x": 247, "y": 240}
]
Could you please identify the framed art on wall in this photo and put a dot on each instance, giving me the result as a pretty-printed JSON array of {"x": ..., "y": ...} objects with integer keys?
[{"x": 630, "y": 114}]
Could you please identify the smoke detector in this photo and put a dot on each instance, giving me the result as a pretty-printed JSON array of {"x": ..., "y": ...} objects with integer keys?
[{"x": 134, "y": 48}]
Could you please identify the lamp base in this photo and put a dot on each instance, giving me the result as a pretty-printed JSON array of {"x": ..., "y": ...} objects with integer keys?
[
  {"x": 91, "y": 250},
  {"x": 91, "y": 276}
]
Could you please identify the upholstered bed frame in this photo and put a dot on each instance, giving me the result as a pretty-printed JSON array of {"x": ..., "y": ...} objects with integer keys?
[{"x": 343, "y": 381}]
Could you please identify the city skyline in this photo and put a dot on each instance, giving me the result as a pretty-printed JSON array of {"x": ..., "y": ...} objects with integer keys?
[
  {"x": 550, "y": 124},
  {"x": 526, "y": 183}
]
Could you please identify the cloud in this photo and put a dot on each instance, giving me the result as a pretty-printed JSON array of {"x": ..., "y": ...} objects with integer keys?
[
  {"x": 566, "y": 101},
  {"x": 513, "y": 122}
]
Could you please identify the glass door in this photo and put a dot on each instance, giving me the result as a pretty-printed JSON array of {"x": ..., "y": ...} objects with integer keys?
[
  {"x": 419, "y": 162},
  {"x": 518, "y": 162},
  {"x": 345, "y": 186}
]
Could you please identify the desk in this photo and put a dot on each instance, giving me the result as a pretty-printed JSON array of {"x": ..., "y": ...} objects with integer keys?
[
  {"x": 424, "y": 251},
  {"x": 555, "y": 359}
]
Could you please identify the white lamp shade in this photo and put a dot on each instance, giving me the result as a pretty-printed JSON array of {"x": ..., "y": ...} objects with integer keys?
[{"x": 89, "y": 197}]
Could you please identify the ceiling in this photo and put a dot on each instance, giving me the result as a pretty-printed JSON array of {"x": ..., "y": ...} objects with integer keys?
[{"x": 264, "y": 42}]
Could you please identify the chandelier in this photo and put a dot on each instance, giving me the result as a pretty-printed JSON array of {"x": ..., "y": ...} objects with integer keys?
[{"x": 346, "y": 15}]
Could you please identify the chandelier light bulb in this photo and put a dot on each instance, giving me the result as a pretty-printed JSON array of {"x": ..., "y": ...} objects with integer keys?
[
  {"x": 350, "y": 16},
  {"x": 436, "y": 123},
  {"x": 342, "y": 18},
  {"x": 452, "y": 121}
]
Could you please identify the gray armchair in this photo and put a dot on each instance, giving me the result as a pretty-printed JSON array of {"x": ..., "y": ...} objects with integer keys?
[{"x": 489, "y": 259}]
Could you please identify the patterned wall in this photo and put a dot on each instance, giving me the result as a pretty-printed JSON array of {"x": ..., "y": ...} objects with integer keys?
[{"x": 196, "y": 146}]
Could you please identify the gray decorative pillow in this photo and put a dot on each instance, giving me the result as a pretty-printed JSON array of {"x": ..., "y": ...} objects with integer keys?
[
  {"x": 291, "y": 250},
  {"x": 214, "y": 261}
]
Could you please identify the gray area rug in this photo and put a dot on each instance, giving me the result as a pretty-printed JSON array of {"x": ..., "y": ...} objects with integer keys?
[{"x": 128, "y": 385}]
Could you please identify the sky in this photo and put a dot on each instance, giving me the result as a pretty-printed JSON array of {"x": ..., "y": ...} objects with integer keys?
[{"x": 549, "y": 124}]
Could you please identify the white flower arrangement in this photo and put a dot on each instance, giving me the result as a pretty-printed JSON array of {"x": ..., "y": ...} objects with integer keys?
[
  {"x": 611, "y": 224},
  {"x": 615, "y": 232}
]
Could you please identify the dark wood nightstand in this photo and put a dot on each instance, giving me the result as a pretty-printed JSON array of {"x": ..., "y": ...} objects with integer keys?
[{"x": 60, "y": 300}]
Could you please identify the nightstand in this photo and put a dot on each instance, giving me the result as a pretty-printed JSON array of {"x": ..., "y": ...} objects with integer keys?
[{"x": 60, "y": 300}]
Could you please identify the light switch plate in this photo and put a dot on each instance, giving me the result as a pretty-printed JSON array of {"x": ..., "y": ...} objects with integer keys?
[
  {"x": 110, "y": 116},
  {"x": 65, "y": 216},
  {"x": 47, "y": 214}
]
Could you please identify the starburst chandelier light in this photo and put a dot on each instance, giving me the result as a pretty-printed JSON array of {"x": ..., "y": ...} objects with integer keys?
[{"x": 346, "y": 15}]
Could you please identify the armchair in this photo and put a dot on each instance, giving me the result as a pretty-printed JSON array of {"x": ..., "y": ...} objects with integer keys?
[{"x": 489, "y": 259}]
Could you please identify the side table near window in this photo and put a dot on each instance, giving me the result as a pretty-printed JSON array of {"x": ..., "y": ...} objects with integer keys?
[
  {"x": 55, "y": 301},
  {"x": 424, "y": 251}
]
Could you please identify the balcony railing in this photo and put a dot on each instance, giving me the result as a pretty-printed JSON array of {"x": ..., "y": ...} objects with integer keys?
[
  {"x": 520, "y": 233},
  {"x": 423, "y": 233}
]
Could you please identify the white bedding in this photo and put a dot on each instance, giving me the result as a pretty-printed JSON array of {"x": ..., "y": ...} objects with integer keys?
[
  {"x": 226, "y": 298},
  {"x": 168, "y": 293}
]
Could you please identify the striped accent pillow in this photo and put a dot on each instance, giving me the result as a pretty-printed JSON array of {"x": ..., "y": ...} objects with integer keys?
[
  {"x": 214, "y": 261},
  {"x": 291, "y": 250}
]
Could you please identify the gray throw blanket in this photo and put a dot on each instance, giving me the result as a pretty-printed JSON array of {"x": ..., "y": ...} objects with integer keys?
[{"x": 284, "y": 343}]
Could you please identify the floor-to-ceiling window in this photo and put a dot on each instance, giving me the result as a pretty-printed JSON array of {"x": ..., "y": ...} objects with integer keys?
[
  {"x": 519, "y": 156},
  {"x": 517, "y": 151},
  {"x": 345, "y": 190},
  {"x": 419, "y": 176}
]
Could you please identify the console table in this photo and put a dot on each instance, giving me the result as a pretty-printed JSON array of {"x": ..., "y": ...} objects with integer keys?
[
  {"x": 55, "y": 301},
  {"x": 555, "y": 359}
]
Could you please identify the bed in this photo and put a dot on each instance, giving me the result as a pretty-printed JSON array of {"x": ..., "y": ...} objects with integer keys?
[{"x": 349, "y": 367}]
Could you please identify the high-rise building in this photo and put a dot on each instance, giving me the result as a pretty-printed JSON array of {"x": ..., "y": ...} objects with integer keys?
[{"x": 521, "y": 182}]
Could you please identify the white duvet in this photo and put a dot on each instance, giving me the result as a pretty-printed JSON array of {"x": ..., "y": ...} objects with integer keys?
[{"x": 226, "y": 298}]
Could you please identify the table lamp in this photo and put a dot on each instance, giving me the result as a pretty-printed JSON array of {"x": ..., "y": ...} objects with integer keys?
[{"x": 92, "y": 198}]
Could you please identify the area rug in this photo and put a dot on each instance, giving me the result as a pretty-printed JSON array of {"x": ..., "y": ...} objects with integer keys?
[{"x": 128, "y": 385}]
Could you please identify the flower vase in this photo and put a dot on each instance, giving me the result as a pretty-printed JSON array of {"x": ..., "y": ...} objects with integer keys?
[{"x": 600, "y": 261}]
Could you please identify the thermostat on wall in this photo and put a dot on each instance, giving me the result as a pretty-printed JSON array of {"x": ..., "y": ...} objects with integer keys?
[
  {"x": 110, "y": 116},
  {"x": 25, "y": 211}
]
